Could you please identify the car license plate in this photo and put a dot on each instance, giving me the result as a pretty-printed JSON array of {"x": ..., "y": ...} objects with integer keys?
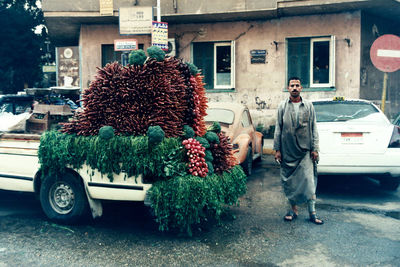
[{"x": 352, "y": 138}]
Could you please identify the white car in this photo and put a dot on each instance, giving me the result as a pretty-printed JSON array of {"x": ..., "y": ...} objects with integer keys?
[{"x": 357, "y": 138}]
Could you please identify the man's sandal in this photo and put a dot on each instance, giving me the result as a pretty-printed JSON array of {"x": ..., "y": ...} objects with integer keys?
[
  {"x": 315, "y": 219},
  {"x": 290, "y": 214}
]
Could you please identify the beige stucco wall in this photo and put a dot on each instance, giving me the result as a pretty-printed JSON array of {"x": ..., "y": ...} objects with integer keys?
[
  {"x": 90, "y": 40},
  {"x": 266, "y": 81}
]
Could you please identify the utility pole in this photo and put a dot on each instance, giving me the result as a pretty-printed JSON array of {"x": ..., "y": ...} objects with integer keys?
[{"x": 158, "y": 10}]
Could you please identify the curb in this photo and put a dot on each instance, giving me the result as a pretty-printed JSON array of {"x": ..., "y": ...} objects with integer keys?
[{"x": 267, "y": 150}]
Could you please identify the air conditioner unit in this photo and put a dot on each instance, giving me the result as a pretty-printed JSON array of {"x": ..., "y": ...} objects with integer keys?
[{"x": 171, "y": 47}]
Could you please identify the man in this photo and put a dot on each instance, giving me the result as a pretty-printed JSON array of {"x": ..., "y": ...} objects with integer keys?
[{"x": 296, "y": 148}]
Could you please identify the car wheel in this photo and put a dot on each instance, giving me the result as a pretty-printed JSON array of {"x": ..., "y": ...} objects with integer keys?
[
  {"x": 389, "y": 183},
  {"x": 63, "y": 199},
  {"x": 247, "y": 165},
  {"x": 259, "y": 159}
]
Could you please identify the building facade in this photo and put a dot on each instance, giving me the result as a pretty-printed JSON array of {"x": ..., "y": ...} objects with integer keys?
[{"x": 247, "y": 49}]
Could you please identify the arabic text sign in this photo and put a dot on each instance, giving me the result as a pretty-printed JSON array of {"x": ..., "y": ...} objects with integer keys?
[
  {"x": 106, "y": 8},
  {"x": 125, "y": 44},
  {"x": 135, "y": 20},
  {"x": 159, "y": 35}
]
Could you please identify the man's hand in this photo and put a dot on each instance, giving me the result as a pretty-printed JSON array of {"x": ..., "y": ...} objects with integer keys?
[
  {"x": 314, "y": 156},
  {"x": 278, "y": 156}
]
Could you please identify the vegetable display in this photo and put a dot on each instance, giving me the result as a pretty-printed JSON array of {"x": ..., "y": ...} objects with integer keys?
[
  {"x": 147, "y": 118},
  {"x": 196, "y": 155}
]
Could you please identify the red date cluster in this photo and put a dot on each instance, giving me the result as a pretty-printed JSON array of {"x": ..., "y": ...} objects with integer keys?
[
  {"x": 196, "y": 154},
  {"x": 200, "y": 103},
  {"x": 132, "y": 98},
  {"x": 223, "y": 156}
]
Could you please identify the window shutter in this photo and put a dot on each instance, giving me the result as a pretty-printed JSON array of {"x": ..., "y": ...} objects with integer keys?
[
  {"x": 299, "y": 59},
  {"x": 203, "y": 58}
]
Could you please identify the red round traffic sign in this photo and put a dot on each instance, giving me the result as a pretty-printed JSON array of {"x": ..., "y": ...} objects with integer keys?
[{"x": 385, "y": 53}]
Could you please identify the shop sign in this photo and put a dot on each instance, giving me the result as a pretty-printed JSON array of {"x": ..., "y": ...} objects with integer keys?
[
  {"x": 125, "y": 44},
  {"x": 258, "y": 56},
  {"x": 135, "y": 20},
  {"x": 159, "y": 35},
  {"x": 67, "y": 63},
  {"x": 49, "y": 68},
  {"x": 106, "y": 8}
]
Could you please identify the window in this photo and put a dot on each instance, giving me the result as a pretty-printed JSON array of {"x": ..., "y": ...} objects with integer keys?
[
  {"x": 313, "y": 60},
  {"x": 221, "y": 115},
  {"x": 216, "y": 61},
  {"x": 330, "y": 111},
  {"x": 108, "y": 54},
  {"x": 245, "y": 120}
]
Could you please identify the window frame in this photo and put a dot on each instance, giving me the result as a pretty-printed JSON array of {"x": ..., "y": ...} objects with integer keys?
[
  {"x": 331, "y": 82},
  {"x": 215, "y": 44},
  {"x": 332, "y": 62},
  {"x": 232, "y": 84}
]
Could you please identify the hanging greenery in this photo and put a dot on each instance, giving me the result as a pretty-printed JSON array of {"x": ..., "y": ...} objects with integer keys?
[
  {"x": 185, "y": 201},
  {"x": 179, "y": 199},
  {"x": 129, "y": 154}
]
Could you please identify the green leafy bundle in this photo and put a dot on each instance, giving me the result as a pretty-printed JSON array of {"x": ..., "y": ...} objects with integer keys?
[
  {"x": 129, "y": 154},
  {"x": 185, "y": 201},
  {"x": 179, "y": 200}
]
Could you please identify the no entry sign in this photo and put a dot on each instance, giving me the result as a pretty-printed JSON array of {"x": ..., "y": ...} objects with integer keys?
[{"x": 385, "y": 53}]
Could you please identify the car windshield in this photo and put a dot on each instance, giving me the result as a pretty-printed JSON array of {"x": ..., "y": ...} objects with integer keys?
[
  {"x": 397, "y": 120},
  {"x": 331, "y": 111},
  {"x": 220, "y": 115},
  {"x": 6, "y": 107}
]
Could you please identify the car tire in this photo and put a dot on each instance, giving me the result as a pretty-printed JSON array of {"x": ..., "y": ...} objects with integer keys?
[
  {"x": 259, "y": 159},
  {"x": 389, "y": 183},
  {"x": 63, "y": 199},
  {"x": 247, "y": 165}
]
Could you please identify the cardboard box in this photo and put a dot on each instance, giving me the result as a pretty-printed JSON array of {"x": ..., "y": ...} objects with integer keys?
[
  {"x": 38, "y": 125},
  {"x": 64, "y": 110}
]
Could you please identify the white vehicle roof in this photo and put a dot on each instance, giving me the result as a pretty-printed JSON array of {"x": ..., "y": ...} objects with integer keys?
[{"x": 344, "y": 100}]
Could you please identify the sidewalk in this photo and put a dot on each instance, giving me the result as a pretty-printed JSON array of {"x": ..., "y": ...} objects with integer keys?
[{"x": 268, "y": 146}]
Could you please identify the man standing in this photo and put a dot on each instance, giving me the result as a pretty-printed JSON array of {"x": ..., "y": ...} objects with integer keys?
[{"x": 296, "y": 146}]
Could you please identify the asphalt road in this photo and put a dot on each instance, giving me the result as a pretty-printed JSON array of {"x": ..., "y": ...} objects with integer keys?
[{"x": 362, "y": 228}]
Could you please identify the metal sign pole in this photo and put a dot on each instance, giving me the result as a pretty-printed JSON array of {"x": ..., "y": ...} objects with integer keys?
[
  {"x": 158, "y": 10},
  {"x": 385, "y": 79}
]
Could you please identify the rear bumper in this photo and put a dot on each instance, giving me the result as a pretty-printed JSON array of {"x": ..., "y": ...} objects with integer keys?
[
  {"x": 374, "y": 164},
  {"x": 370, "y": 170}
]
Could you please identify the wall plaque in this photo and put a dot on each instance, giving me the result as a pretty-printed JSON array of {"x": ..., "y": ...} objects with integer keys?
[{"x": 258, "y": 56}]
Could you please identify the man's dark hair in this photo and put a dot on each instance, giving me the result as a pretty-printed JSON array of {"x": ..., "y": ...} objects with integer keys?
[{"x": 292, "y": 79}]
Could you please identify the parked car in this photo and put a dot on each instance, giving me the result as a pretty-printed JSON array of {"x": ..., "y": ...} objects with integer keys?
[
  {"x": 236, "y": 123},
  {"x": 16, "y": 104},
  {"x": 357, "y": 138}
]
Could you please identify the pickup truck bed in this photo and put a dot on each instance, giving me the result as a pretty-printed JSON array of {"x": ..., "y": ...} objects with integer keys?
[
  {"x": 65, "y": 198},
  {"x": 18, "y": 161}
]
